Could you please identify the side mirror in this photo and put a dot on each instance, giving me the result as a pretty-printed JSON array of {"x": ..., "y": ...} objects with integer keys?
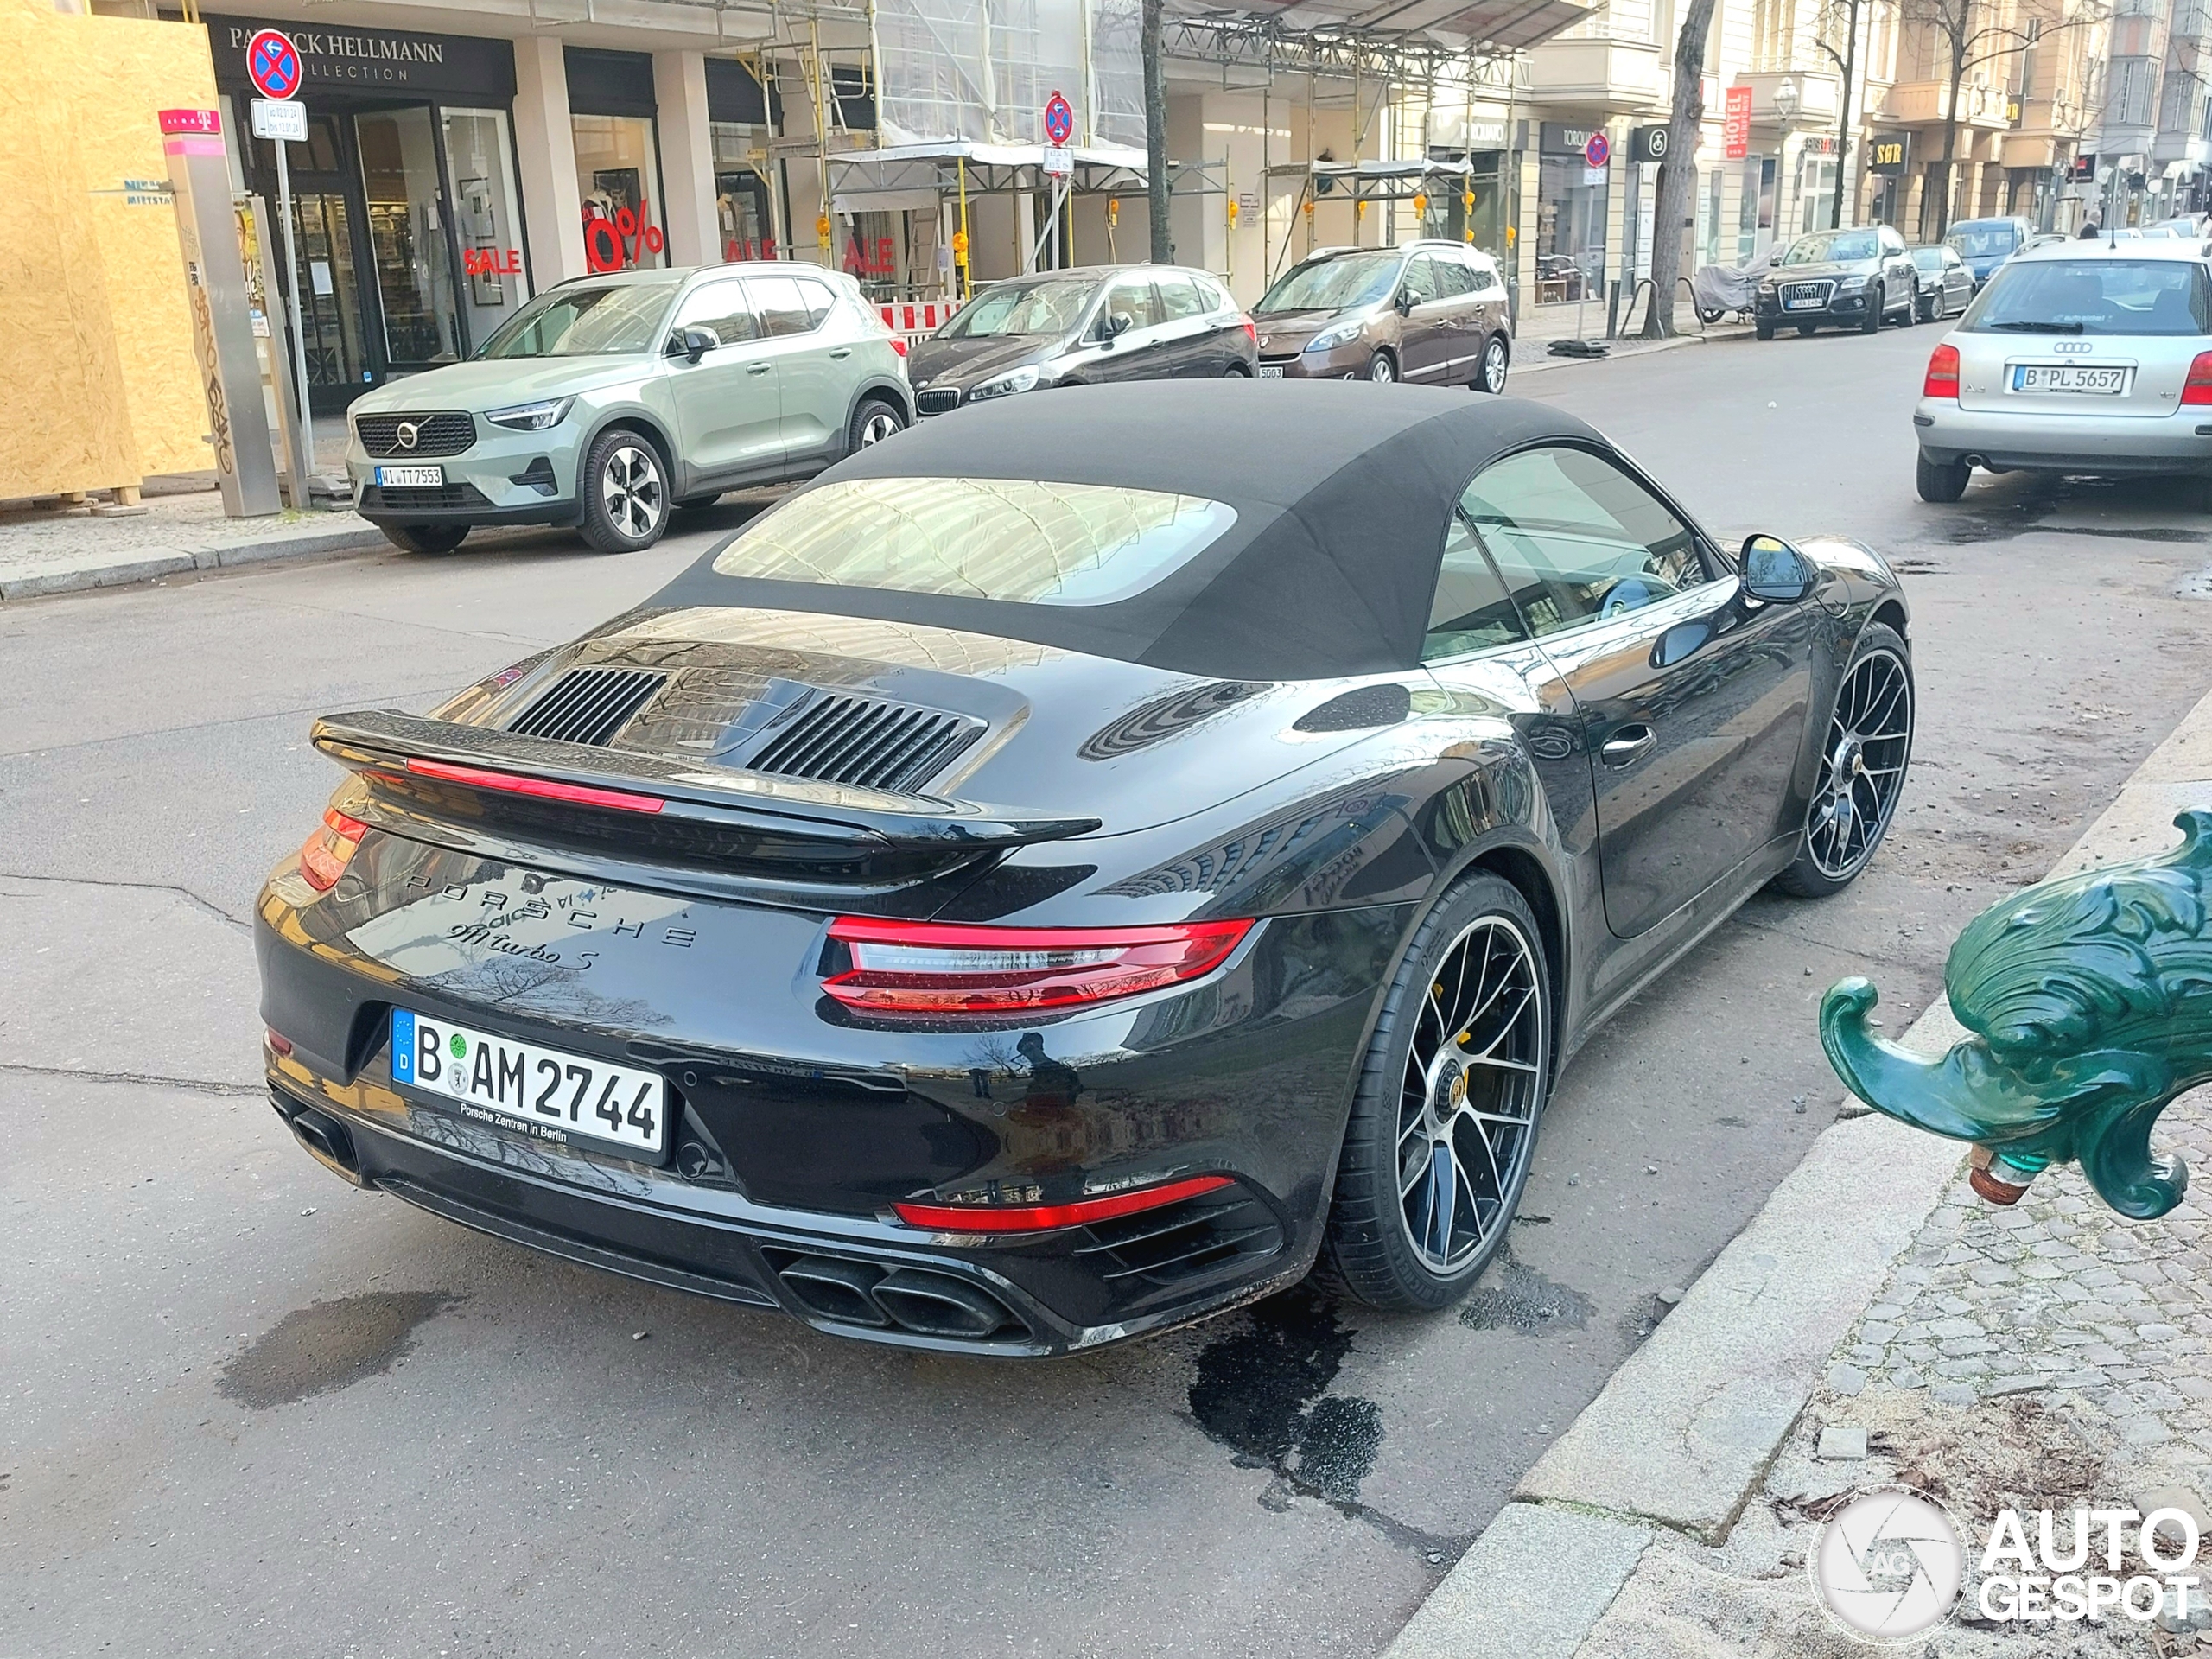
[
  {"x": 1777, "y": 572},
  {"x": 1114, "y": 325},
  {"x": 1404, "y": 302},
  {"x": 693, "y": 343}
]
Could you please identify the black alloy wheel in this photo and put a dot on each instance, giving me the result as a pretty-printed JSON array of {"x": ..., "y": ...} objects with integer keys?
[
  {"x": 1443, "y": 1122},
  {"x": 1938, "y": 481},
  {"x": 876, "y": 419},
  {"x": 1497, "y": 361},
  {"x": 1877, "y": 301},
  {"x": 426, "y": 538},
  {"x": 1381, "y": 368},
  {"x": 625, "y": 486},
  {"x": 1864, "y": 755}
]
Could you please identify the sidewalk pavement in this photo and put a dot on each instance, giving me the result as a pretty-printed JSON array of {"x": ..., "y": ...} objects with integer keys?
[
  {"x": 1878, "y": 1325},
  {"x": 62, "y": 550}
]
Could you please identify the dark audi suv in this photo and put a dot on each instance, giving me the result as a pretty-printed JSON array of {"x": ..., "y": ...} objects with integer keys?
[
  {"x": 1082, "y": 327},
  {"x": 1857, "y": 278}
]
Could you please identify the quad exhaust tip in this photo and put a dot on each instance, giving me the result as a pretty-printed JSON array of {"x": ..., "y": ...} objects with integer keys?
[{"x": 917, "y": 1300}]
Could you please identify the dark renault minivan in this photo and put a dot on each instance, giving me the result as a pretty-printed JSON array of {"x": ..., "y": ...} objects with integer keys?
[{"x": 1082, "y": 326}]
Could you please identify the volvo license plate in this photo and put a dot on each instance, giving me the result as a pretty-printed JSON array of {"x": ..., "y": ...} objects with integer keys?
[
  {"x": 410, "y": 478},
  {"x": 545, "y": 1091},
  {"x": 2070, "y": 377}
]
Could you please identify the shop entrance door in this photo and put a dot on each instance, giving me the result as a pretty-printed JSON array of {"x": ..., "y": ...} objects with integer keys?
[
  {"x": 409, "y": 236},
  {"x": 330, "y": 314}
]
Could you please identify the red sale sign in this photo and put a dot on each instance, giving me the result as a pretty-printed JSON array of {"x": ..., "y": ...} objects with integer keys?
[{"x": 1736, "y": 123}]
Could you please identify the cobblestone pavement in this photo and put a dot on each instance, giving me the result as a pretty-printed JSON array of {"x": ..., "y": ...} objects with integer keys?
[{"x": 2048, "y": 1356}]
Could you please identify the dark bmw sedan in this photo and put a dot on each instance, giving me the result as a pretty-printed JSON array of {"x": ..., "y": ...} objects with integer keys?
[
  {"x": 1083, "y": 327},
  {"x": 1065, "y": 872},
  {"x": 1852, "y": 279}
]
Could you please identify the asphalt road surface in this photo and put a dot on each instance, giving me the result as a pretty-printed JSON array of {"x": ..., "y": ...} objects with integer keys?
[{"x": 245, "y": 1410}]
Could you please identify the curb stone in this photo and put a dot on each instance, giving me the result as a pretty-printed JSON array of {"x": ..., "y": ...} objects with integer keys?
[
  {"x": 68, "y": 578},
  {"x": 1683, "y": 1434}
]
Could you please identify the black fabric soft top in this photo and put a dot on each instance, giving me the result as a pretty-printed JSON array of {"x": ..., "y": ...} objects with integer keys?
[{"x": 1343, "y": 492}]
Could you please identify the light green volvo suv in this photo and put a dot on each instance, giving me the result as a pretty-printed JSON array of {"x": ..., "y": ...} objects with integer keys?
[{"x": 610, "y": 401}]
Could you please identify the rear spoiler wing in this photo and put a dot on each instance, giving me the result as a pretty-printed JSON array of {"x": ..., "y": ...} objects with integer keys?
[{"x": 527, "y": 791}]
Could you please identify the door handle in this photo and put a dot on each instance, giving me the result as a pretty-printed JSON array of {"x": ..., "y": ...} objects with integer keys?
[
  {"x": 756, "y": 368},
  {"x": 1628, "y": 746},
  {"x": 842, "y": 351}
]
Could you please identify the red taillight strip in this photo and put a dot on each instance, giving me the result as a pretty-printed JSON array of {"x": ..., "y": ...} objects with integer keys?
[
  {"x": 975, "y": 935},
  {"x": 1042, "y": 1217},
  {"x": 546, "y": 789}
]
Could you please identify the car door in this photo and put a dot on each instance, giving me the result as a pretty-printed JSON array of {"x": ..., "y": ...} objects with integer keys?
[
  {"x": 1693, "y": 761},
  {"x": 1136, "y": 352},
  {"x": 1899, "y": 275},
  {"x": 1958, "y": 281},
  {"x": 728, "y": 406},
  {"x": 1427, "y": 331},
  {"x": 1186, "y": 348},
  {"x": 814, "y": 382}
]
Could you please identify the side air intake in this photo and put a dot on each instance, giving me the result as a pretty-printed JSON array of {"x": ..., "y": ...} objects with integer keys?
[
  {"x": 589, "y": 705},
  {"x": 838, "y": 739}
]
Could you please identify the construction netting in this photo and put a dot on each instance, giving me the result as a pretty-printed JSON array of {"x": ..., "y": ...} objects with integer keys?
[{"x": 984, "y": 69}]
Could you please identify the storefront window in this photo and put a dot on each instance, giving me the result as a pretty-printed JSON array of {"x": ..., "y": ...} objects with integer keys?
[
  {"x": 407, "y": 239},
  {"x": 1755, "y": 207},
  {"x": 486, "y": 222},
  {"x": 619, "y": 172},
  {"x": 1570, "y": 230},
  {"x": 1708, "y": 220},
  {"x": 740, "y": 196},
  {"x": 870, "y": 253}
]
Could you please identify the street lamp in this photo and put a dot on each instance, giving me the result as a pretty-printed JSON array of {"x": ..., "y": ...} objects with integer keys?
[{"x": 1786, "y": 100}]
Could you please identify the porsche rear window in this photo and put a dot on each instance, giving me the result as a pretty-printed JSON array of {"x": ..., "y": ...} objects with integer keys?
[{"x": 1020, "y": 540}]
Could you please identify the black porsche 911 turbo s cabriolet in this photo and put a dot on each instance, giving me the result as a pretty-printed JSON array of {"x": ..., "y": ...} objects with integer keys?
[{"x": 1067, "y": 869}]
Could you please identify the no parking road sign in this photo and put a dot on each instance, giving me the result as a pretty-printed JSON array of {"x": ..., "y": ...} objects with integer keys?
[
  {"x": 1059, "y": 120},
  {"x": 272, "y": 63},
  {"x": 1599, "y": 150}
]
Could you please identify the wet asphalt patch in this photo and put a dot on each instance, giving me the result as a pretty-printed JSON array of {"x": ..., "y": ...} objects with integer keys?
[
  {"x": 1516, "y": 1297},
  {"x": 1261, "y": 1391},
  {"x": 329, "y": 1345}
]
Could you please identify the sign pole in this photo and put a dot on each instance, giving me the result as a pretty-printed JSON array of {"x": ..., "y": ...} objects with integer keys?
[{"x": 304, "y": 427}]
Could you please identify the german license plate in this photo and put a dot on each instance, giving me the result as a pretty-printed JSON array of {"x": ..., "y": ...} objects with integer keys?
[
  {"x": 1813, "y": 303},
  {"x": 410, "y": 478},
  {"x": 2070, "y": 377},
  {"x": 545, "y": 1091},
  {"x": 1270, "y": 371}
]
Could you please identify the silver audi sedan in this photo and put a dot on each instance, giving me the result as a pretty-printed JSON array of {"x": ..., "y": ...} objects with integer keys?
[{"x": 2081, "y": 357}]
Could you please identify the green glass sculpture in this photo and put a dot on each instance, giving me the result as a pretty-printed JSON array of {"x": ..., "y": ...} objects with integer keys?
[{"x": 2091, "y": 1001}]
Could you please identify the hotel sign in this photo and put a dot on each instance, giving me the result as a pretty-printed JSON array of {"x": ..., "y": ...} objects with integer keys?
[{"x": 371, "y": 60}]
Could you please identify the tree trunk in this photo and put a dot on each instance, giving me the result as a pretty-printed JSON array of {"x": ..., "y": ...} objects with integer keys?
[
  {"x": 1843, "y": 118},
  {"x": 1155, "y": 135},
  {"x": 1678, "y": 169},
  {"x": 1950, "y": 143}
]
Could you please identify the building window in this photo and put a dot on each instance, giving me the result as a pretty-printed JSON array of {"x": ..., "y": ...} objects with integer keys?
[
  {"x": 618, "y": 170},
  {"x": 747, "y": 232},
  {"x": 1570, "y": 230}
]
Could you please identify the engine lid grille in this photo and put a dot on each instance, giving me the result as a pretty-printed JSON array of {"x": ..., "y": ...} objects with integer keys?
[
  {"x": 839, "y": 739},
  {"x": 589, "y": 705}
]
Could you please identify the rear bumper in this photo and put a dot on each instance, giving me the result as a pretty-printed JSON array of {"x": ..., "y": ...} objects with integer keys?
[
  {"x": 793, "y": 1132},
  {"x": 2112, "y": 445},
  {"x": 897, "y": 1290}
]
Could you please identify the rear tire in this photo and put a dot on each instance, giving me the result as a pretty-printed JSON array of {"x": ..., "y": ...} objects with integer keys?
[
  {"x": 1467, "y": 1126},
  {"x": 425, "y": 538},
  {"x": 1937, "y": 482},
  {"x": 1497, "y": 362},
  {"x": 625, "y": 489},
  {"x": 876, "y": 419},
  {"x": 1870, "y": 729}
]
